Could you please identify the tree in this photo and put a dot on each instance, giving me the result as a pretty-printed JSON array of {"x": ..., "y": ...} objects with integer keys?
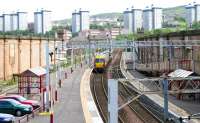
[
  {"x": 196, "y": 25},
  {"x": 128, "y": 37}
]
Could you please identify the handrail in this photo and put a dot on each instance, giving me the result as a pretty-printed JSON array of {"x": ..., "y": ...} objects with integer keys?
[{"x": 27, "y": 117}]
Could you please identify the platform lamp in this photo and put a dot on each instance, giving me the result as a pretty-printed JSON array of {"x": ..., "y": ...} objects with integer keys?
[
  {"x": 109, "y": 41},
  {"x": 51, "y": 56},
  {"x": 89, "y": 40},
  {"x": 165, "y": 84}
]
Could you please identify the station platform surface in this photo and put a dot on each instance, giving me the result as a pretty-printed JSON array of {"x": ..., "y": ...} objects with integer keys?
[
  {"x": 68, "y": 109},
  {"x": 90, "y": 110},
  {"x": 191, "y": 107},
  {"x": 178, "y": 107}
]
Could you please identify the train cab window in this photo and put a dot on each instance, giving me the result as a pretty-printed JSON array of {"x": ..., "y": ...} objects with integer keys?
[
  {"x": 96, "y": 60},
  {"x": 99, "y": 60},
  {"x": 102, "y": 60}
]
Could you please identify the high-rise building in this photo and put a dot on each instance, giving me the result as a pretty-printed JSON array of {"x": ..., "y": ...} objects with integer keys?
[
  {"x": 14, "y": 22},
  {"x": 47, "y": 24},
  {"x": 75, "y": 22},
  {"x": 42, "y": 21},
  {"x": 192, "y": 13},
  {"x": 6, "y": 22},
  {"x": 1, "y": 23},
  {"x": 18, "y": 21},
  {"x": 37, "y": 22},
  {"x": 197, "y": 12},
  {"x": 136, "y": 20},
  {"x": 128, "y": 23},
  {"x": 84, "y": 20},
  {"x": 80, "y": 21},
  {"x": 22, "y": 22},
  {"x": 152, "y": 18},
  {"x": 157, "y": 17},
  {"x": 148, "y": 19}
]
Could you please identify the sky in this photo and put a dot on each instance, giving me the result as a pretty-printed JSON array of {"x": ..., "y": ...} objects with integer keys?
[{"x": 62, "y": 9}]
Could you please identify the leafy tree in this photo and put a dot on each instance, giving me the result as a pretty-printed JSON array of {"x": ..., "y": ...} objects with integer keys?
[
  {"x": 74, "y": 34},
  {"x": 196, "y": 25},
  {"x": 180, "y": 19},
  {"x": 95, "y": 26},
  {"x": 128, "y": 37}
]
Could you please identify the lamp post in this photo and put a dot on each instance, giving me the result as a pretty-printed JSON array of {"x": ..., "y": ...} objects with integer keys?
[
  {"x": 89, "y": 48},
  {"x": 72, "y": 57},
  {"x": 120, "y": 24},
  {"x": 110, "y": 43},
  {"x": 47, "y": 78},
  {"x": 165, "y": 94}
]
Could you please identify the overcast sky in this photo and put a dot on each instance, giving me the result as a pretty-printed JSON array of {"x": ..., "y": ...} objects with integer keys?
[{"x": 63, "y": 8}]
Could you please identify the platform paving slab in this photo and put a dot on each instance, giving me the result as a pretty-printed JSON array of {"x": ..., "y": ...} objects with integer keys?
[{"x": 68, "y": 109}]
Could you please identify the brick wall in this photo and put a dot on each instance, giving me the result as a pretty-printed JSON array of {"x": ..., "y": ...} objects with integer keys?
[
  {"x": 180, "y": 53},
  {"x": 17, "y": 55}
]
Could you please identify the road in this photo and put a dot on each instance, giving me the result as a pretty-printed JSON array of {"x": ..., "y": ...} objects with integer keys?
[{"x": 68, "y": 109}]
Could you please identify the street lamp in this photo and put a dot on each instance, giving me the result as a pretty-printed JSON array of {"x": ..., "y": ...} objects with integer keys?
[
  {"x": 47, "y": 77},
  {"x": 110, "y": 45},
  {"x": 89, "y": 40},
  {"x": 120, "y": 24}
]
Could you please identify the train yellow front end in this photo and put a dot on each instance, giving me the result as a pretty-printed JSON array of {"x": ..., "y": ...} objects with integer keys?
[{"x": 99, "y": 63}]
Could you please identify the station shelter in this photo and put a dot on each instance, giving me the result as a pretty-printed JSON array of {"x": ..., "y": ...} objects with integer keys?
[
  {"x": 186, "y": 82},
  {"x": 32, "y": 81}
]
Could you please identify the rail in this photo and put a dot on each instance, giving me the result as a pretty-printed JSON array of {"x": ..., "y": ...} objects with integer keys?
[
  {"x": 147, "y": 117},
  {"x": 136, "y": 108},
  {"x": 96, "y": 88},
  {"x": 27, "y": 117}
]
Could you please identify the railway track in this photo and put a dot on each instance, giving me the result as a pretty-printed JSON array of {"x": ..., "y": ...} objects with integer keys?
[
  {"x": 132, "y": 113},
  {"x": 140, "y": 110},
  {"x": 99, "y": 94},
  {"x": 127, "y": 114},
  {"x": 99, "y": 87}
]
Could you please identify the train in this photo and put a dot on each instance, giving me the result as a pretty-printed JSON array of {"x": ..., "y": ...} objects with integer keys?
[{"x": 101, "y": 61}]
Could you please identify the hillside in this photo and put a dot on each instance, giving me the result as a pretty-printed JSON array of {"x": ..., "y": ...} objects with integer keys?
[
  {"x": 63, "y": 22},
  {"x": 171, "y": 13},
  {"x": 107, "y": 15},
  {"x": 168, "y": 13}
]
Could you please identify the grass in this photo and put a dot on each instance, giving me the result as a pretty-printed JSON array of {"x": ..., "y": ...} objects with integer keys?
[{"x": 6, "y": 83}]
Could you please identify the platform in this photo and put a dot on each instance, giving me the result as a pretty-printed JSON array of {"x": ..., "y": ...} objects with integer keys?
[
  {"x": 176, "y": 107},
  {"x": 68, "y": 109},
  {"x": 90, "y": 110}
]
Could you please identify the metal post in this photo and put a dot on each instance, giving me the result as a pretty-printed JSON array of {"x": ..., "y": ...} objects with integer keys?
[
  {"x": 85, "y": 53},
  {"x": 89, "y": 52},
  {"x": 111, "y": 47},
  {"x": 81, "y": 58},
  {"x": 133, "y": 49},
  {"x": 170, "y": 56},
  {"x": 75, "y": 60},
  {"x": 112, "y": 101},
  {"x": 165, "y": 92},
  {"x": 161, "y": 51},
  {"x": 59, "y": 66},
  {"x": 193, "y": 61},
  {"x": 47, "y": 77},
  {"x": 72, "y": 57},
  {"x": 51, "y": 117},
  {"x": 181, "y": 120}
]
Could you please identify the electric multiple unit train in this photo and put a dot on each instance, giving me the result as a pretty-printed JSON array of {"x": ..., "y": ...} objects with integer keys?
[{"x": 100, "y": 61}]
